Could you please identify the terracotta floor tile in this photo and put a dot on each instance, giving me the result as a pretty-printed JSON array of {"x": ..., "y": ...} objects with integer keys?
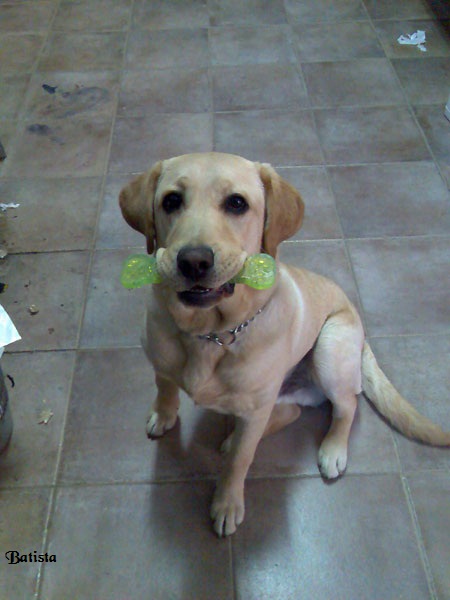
[
  {"x": 19, "y": 52},
  {"x": 320, "y": 220},
  {"x": 165, "y": 91},
  {"x": 103, "y": 15},
  {"x": 53, "y": 215},
  {"x": 163, "y": 49},
  {"x": 12, "y": 94},
  {"x": 114, "y": 315},
  {"x": 313, "y": 11},
  {"x": 298, "y": 518},
  {"x": 170, "y": 14},
  {"x": 173, "y": 515},
  {"x": 363, "y": 82},
  {"x": 425, "y": 81},
  {"x": 60, "y": 95},
  {"x": 23, "y": 515},
  {"x": 67, "y": 51},
  {"x": 437, "y": 129},
  {"x": 254, "y": 12},
  {"x": 257, "y": 87},
  {"x": 437, "y": 43},
  {"x": 430, "y": 498},
  {"x": 113, "y": 427},
  {"x": 287, "y": 138},
  {"x": 363, "y": 135},
  {"x": 403, "y": 284},
  {"x": 250, "y": 45},
  {"x": 336, "y": 41},
  {"x": 31, "y": 458},
  {"x": 113, "y": 231},
  {"x": 391, "y": 200},
  {"x": 417, "y": 366},
  {"x": 139, "y": 142},
  {"x": 20, "y": 17},
  {"x": 59, "y": 148},
  {"x": 54, "y": 283}
]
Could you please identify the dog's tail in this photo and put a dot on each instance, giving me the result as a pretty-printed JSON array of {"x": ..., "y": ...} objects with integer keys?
[{"x": 402, "y": 415}]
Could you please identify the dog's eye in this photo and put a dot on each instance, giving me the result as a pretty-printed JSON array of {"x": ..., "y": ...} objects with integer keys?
[
  {"x": 172, "y": 202},
  {"x": 236, "y": 204}
]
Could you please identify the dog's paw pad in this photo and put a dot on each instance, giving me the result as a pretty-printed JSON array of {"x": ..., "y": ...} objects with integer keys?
[
  {"x": 332, "y": 462},
  {"x": 157, "y": 425}
]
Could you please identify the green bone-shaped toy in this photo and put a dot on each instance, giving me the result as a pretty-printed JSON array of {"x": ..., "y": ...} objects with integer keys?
[{"x": 140, "y": 269}]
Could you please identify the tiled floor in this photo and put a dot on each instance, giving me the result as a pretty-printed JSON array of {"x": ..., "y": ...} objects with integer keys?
[{"x": 323, "y": 91}]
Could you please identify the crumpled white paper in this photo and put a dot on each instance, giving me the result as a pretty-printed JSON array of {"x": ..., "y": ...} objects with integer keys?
[
  {"x": 414, "y": 39},
  {"x": 8, "y": 331},
  {"x": 4, "y": 206}
]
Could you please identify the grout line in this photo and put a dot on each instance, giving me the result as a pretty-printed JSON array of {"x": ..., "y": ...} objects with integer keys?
[
  {"x": 361, "y": 310},
  {"x": 419, "y": 539},
  {"x": 209, "y": 478},
  {"x": 104, "y": 176},
  {"x": 387, "y": 238},
  {"x": 91, "y": 250},
  {"x": 21, "y": 115}
]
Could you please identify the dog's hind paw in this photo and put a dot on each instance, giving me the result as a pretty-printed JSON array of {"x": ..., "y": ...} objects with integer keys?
[
  {"x": 332, "y": 461},
  {"x": 158, "y": 424}
]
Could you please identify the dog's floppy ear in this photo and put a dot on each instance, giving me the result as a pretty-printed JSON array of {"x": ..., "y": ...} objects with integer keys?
[
  {"x": 284, "y": 209},
  {"x": 136, "y": 202}
]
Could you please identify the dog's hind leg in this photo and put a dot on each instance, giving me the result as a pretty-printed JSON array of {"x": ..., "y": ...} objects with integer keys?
[
  {"x": 282, "y": 415},
  {"x": 332, "y": 459},
  {"x": 337, "y": 370},
  {"x": 165, "y": 408}
]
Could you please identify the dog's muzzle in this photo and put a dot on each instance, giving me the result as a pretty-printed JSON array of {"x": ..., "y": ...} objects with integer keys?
[{"x": 196, "y": 264}]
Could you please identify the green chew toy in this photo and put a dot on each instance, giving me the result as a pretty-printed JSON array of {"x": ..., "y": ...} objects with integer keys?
[
  {"x": 140, "y": 269},
  {"x": 258, "y": 272}
]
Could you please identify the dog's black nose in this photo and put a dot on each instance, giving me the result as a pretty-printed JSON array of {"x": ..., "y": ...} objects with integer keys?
[{"x": 195, "y": 262}]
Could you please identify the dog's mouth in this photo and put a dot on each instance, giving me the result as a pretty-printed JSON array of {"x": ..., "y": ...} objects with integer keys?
[{"x": 204, "y": 297}]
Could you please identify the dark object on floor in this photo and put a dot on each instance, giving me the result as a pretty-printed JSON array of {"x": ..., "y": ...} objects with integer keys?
[
  {"x": 49, "y": 88},
  {"x": 2, "y": 152},
  {"x": 6, "y": 424}
]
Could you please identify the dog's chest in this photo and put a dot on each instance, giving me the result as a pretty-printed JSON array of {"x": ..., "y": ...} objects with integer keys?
[
  {"x": 211, "y": 378},
  {"x": 203, "y": 375}
]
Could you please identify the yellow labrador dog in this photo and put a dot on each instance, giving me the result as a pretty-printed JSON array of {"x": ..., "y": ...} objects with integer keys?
[{"x": 237, "y": 350}]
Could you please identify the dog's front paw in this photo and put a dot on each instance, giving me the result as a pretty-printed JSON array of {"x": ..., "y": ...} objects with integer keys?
[
  {"x": 332, "y": 460},
  {"x": 227, "y": 511},
  {"x": 158, "y": 424}
]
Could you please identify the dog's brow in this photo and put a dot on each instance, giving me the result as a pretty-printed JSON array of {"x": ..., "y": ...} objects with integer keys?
[{"x": 182, "y": 182}]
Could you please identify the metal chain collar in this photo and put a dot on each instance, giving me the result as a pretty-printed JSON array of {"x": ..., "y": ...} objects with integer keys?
[{"x": 218, "y": 338}]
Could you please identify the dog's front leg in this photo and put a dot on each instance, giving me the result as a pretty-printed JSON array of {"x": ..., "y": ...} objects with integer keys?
[
  {"x": 227, "y": 509},
  {"x": 165, "y": 408}
]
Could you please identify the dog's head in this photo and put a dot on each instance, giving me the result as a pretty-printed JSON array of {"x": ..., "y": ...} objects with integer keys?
[{"x": 204, "y": 214}]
